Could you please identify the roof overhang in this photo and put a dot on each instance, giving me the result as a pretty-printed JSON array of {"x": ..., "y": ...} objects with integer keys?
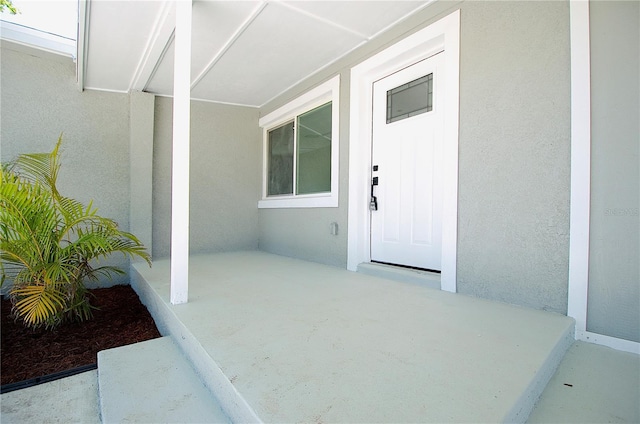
[
  {"x": 29, "y": 38},
  {"x": 243, "y": 52}
]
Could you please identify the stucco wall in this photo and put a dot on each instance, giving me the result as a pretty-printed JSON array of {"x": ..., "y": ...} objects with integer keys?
[
  {"x": 514, "y": 142},
  {"x": 513, "y": 164},
  {"x": 305, "y": 233},
  {"x": 614, "y": 271},
  {"x": 39, "y": 100},
  {"x": 224, "y": 177},
  {"x": 141, "y": 123},
  {"x": 514, "y": 158}
]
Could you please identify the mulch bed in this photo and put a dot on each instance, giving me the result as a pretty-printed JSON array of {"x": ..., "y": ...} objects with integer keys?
[{"x": 119, "y": 320}]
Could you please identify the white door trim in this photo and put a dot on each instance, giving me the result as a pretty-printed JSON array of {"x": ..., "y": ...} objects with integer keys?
[
  {"x": 581, "y": 180},
  {"x": 441, "y": 36}
]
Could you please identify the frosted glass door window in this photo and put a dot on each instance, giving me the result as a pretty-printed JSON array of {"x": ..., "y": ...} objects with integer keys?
[
  {"x": 281, "y": 160},
  {"x": 314, "y": 151},
  {"x": 410, "y": 99}
]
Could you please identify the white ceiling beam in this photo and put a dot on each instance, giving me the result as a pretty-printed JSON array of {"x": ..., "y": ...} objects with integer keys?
[
  {"x": 325, "y": 21},
  {"x": 230, "y": 42},
  {"x": 162, "y": 36}
]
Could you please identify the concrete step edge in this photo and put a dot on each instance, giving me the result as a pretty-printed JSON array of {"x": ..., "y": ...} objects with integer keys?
[
  {"x": 232, "y": 402},
  {"x": 152, "y": 381}
]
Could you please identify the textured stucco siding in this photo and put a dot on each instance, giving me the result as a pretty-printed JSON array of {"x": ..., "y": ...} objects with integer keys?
[
  {"x": 305, "y": 233},
  {"x": 514, "y": 158},
  {"x": 614, "y": 252},
  {"x": 39, "y": 101},
  {"x": 225, "y": 174},
  {"x": 141, "y": 123}
]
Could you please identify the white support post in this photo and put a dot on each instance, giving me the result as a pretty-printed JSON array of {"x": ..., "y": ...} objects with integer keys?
[
  {"x": 180, "y": 155},
  {"x": 580, "y": 163},
  {"x": 579, "y": 220}
]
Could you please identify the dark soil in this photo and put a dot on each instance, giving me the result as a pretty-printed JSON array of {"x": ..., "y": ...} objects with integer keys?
[{"x": 119, "y": 320}]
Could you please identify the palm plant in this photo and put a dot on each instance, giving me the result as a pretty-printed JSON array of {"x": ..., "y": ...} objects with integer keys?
[{"x": 50, "y": 244}]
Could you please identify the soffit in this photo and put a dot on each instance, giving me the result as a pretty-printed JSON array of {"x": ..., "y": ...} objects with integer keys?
[{"x": 243, "y": 52}]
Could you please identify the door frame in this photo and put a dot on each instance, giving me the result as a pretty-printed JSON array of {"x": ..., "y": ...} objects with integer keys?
[{"x": 441, "y": 36}]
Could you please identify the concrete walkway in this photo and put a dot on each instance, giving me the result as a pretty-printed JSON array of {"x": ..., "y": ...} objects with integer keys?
[
  {"x": 604, "y": 389},
  {"x": 594, "y": 384},
  {"x": 68, "y": 400}
]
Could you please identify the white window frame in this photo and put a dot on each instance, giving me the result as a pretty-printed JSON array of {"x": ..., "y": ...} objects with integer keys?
[{"x": 324, "y": 93}]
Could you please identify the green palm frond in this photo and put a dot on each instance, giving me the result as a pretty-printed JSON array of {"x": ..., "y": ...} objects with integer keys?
[
  {"x": 27, "y": 221},
  {"x": 38, "y": 304},
  {"x": 48, "y": 242},
  {"x": 42, "y": 167}
]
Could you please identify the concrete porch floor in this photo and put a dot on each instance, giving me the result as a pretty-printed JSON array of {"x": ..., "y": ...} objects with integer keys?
[
  {"x": 304, "y": 342},
  {"x": 292, "y": 341}
]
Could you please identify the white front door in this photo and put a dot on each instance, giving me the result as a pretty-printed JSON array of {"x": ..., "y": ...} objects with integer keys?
[{"x": 407, "y": 155}]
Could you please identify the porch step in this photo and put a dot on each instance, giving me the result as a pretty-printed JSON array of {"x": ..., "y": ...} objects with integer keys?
[{"x": 152, "y": 381}]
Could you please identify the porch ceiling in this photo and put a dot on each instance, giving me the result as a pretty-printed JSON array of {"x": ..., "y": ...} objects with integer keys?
[{"x": 243, "y": 52}]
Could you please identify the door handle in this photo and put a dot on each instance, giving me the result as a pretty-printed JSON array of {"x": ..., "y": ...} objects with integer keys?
[{"x": 373, "y": 203}]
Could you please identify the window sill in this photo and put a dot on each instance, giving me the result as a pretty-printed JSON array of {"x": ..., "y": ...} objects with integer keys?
[{"x": 325, "y": 200}]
